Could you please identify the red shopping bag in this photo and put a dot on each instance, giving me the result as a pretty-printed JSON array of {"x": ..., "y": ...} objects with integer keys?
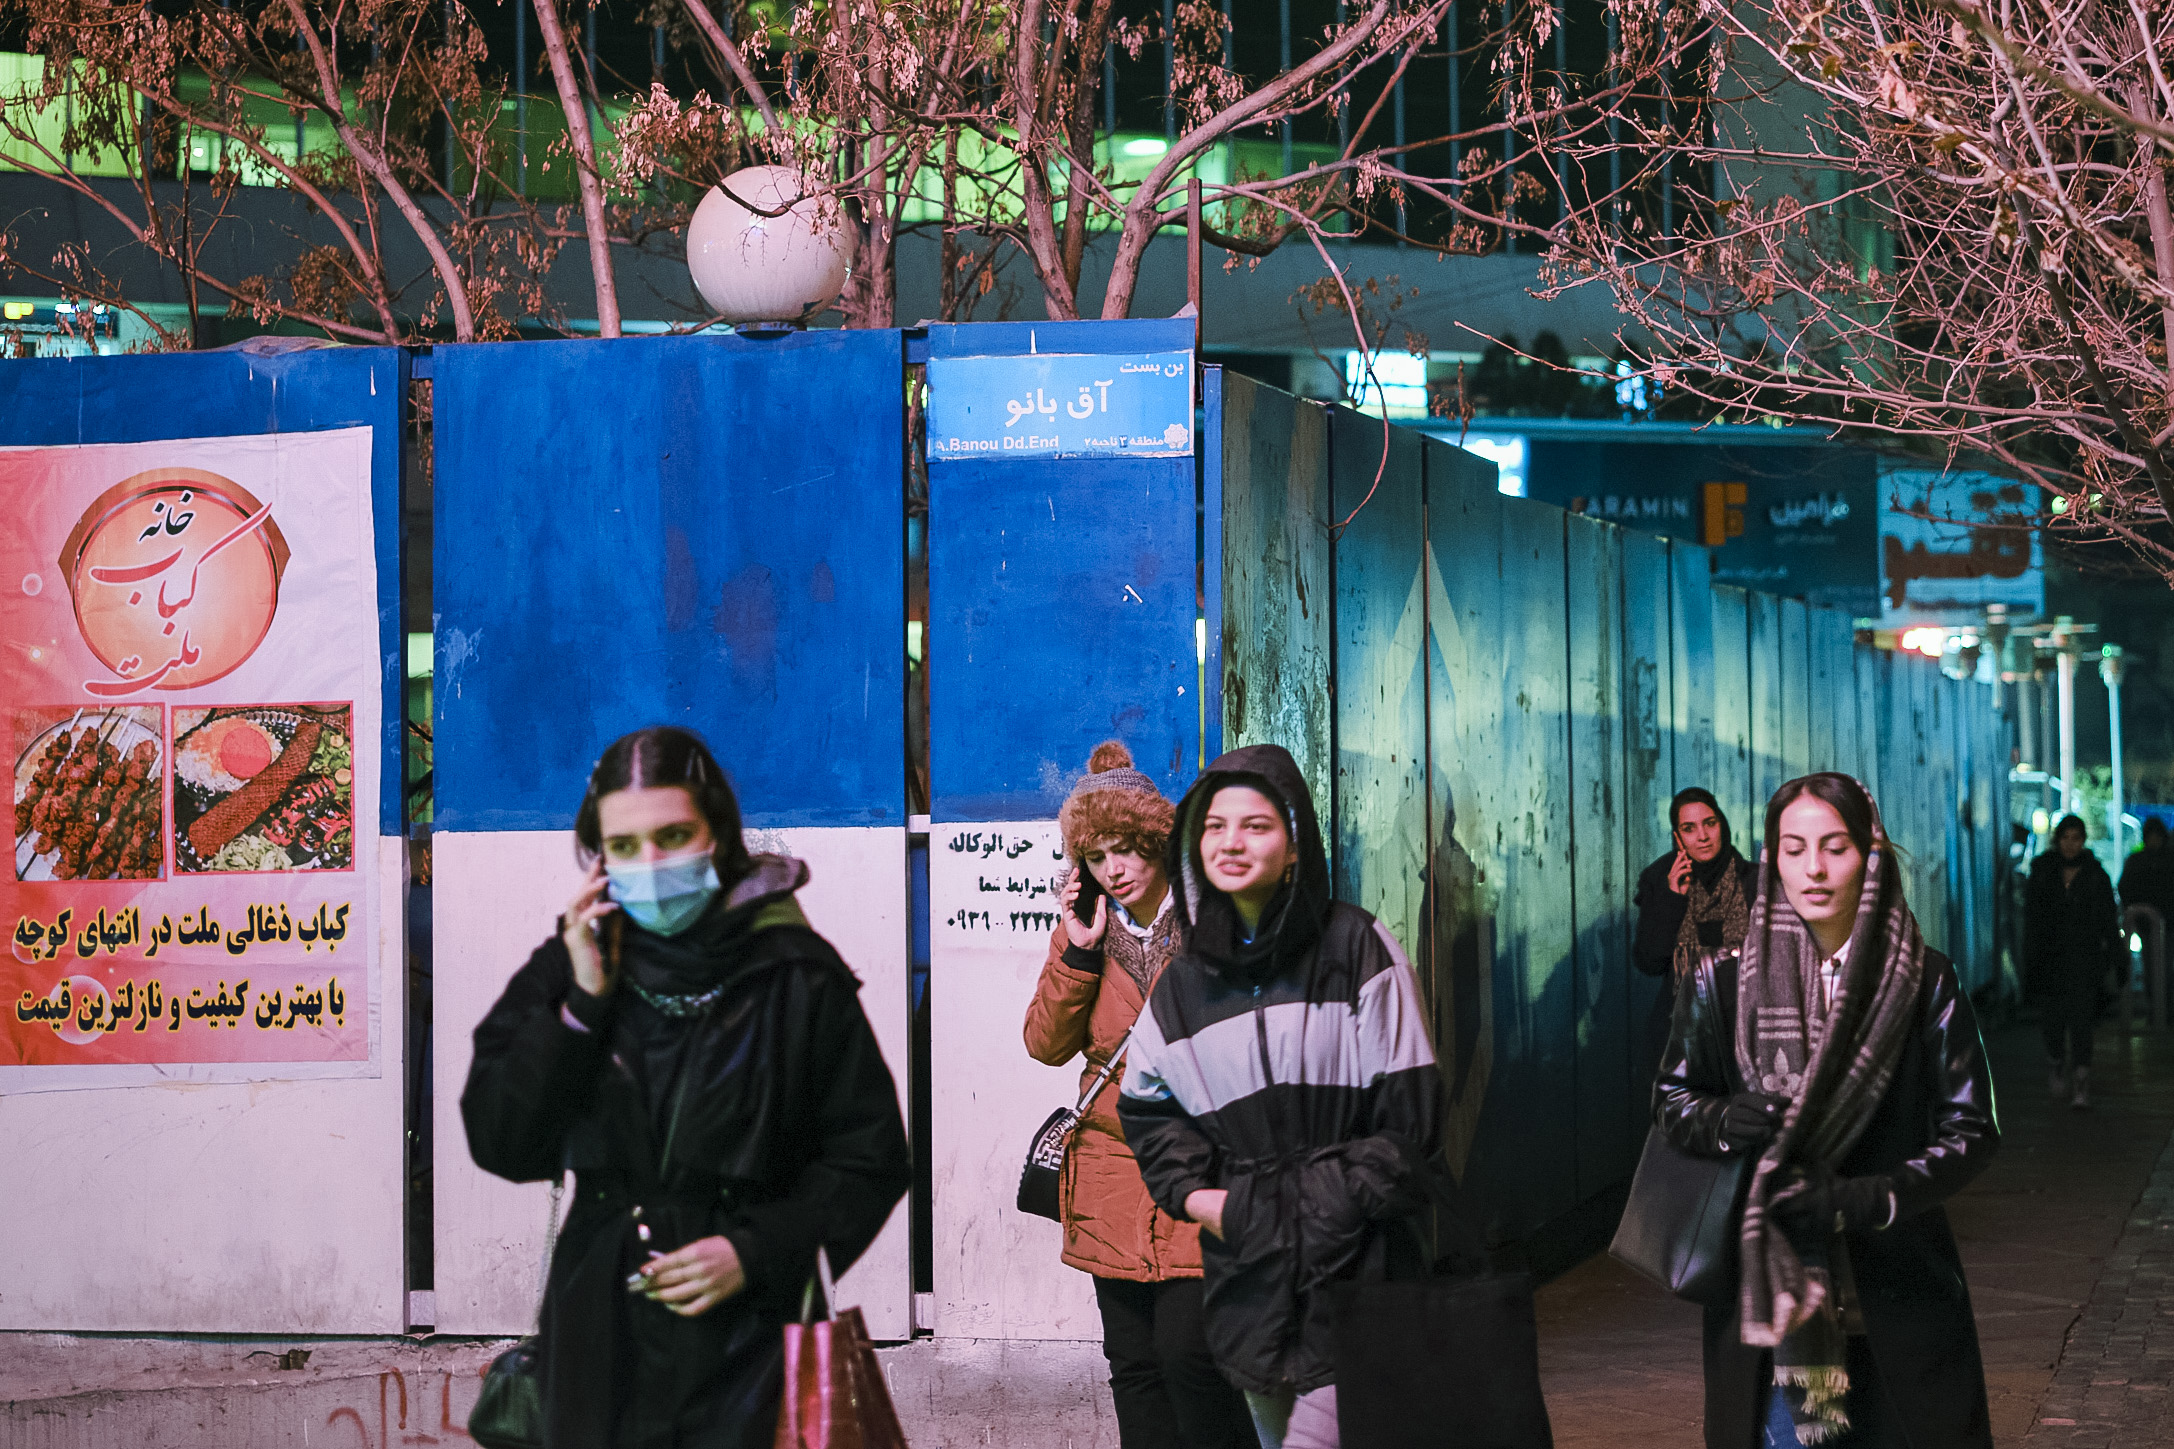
[{"x": 835, "y": 1397}]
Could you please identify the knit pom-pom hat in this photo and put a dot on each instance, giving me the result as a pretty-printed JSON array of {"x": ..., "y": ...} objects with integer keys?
[{"x": 1115, "y": 799}]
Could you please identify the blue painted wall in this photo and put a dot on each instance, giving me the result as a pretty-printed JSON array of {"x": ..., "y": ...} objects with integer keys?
[
  {"x": 703, "y": 531},
  {"x": 1062, "y": 599},
  {"x": 57, "y": 401},
  {"x": 1378, "y": 819},
  {"x": 1575, "y": 675}
]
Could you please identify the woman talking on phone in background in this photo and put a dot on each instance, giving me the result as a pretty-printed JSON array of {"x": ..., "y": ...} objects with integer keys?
[
  {"x": 1117, "y": 934},
  {"x": 699, "y": 1058},
  {"x": 1695, "y": 898}
]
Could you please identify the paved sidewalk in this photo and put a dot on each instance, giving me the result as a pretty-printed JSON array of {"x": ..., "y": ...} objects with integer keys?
[
  {"x": 2070, "y": 1261},
  {"x": 2111, "y": 1390}
]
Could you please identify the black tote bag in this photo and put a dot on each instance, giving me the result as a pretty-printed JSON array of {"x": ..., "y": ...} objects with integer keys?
[
  {"x": 1442, "y": 1363},
  {"x": 1679, "y": 1227},
  {"x": 509, "y": 1413},
  {"x": 1448, "y": 1361}
]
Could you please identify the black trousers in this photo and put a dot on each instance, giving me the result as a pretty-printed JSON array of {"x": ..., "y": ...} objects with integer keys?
[
  {"x": 1169, "y": 1393},
  {"x": 2072, "y": 1009}
]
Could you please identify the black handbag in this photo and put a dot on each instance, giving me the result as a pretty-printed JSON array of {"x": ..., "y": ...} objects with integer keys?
[
  {"x": 1450, "y": 1361},
  {"x": 509, "y": 1413},
  {"x": 1679, "y": 1227},
  {"x": 1040, "y": 1178}
]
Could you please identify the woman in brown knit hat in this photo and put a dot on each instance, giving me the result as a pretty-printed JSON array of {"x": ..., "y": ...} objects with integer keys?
[{"x": 1146, "y": 1264}]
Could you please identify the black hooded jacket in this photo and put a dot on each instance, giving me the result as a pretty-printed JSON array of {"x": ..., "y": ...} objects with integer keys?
[
  {"x": 1296, "y": 1073},
  {"x": 767, "y": 1116}
]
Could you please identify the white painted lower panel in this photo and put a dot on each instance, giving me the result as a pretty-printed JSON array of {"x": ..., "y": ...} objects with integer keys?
[
  {"x": 494, "y": 898},
  {"x": 259, "y": 1207},
  {"x": 998, "y": 1274}
]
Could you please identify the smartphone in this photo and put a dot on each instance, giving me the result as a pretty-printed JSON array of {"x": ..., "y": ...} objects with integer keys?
[{"x": 1090, "y": 891}]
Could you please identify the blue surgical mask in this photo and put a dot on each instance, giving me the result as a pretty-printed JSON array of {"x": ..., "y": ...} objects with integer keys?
[{"x": 667, "y": 896}]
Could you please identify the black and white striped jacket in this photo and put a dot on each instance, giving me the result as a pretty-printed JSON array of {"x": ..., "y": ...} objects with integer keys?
[{"x": 1308, "y": 1092}]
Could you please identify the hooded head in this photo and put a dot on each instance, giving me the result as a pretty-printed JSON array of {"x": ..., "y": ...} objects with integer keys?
[{"x": 1292, "y": 921}]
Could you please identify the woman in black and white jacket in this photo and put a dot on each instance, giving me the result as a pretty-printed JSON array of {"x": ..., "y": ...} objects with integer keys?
[{"x": 1281, "y": 1090}]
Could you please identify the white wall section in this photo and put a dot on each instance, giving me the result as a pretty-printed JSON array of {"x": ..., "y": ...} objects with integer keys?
[{"x": 191, "y": 1207}]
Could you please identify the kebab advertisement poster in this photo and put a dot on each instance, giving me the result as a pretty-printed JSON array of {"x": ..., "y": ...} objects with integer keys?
[{"x": 191, "y": 632}]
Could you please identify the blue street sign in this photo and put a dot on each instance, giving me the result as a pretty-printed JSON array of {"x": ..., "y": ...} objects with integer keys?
[{"x": 1061, "y": 405}]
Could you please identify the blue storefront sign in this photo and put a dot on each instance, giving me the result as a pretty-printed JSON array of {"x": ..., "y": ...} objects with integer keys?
[
  {"x": 1810, "y": 512},
  {"x": 1061, "y": 405}
]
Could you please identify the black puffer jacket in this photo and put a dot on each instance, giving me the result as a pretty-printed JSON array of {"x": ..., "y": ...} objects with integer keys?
[
  {"x": 1296, "y": 1073},
  {"x": 1934, "y": 1132},
  {"x": 769, "y": 1118}
]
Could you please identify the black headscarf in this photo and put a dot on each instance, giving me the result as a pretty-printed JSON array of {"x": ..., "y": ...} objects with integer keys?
[
  {"x": 1213, "y": 931},
  {"x": 1705, "y": 872}
]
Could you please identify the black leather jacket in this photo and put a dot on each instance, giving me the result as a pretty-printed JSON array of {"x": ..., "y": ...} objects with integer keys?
[
  {"x": 1933, "y": 1134},
  {"x": 1936, "y": 1133}
]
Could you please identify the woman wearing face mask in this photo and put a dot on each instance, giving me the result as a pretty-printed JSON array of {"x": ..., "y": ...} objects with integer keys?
[
  {"x": 1851, "y": 1324},
  {"x": 699, "y": 1058},
  {"x": 1695, "y": 898},
  {"x": 2072, "y": 934},
  {"x": 1280, "y": 1089},
  {"x": 1145, "y": 1262}
]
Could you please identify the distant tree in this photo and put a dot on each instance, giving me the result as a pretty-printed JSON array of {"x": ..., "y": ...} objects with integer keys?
[
  {"x": 403, "y": 87},
  {"x": 1492, "y": 386},
  {"x": 980, "y": 120},
  {"x": 1943, "y": 224}
]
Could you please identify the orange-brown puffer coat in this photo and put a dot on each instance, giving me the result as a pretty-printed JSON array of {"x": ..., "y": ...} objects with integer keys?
[{"x": 1112, "y": 1228}]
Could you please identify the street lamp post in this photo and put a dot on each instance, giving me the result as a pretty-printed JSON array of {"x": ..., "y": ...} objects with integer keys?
[
  {"x": 2065, "y": 664},
  {"x": 2110, "y": 671}
]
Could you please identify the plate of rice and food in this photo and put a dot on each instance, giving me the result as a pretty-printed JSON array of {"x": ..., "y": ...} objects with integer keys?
[
  {"x": 264, "y": 787},
  {"x": 88, "y": 794}
]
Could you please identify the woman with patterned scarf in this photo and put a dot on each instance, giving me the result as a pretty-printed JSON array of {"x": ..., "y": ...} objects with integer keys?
[
  {"x": 1842, "y": 1051},
  {"x": 1694, "y": 899}
]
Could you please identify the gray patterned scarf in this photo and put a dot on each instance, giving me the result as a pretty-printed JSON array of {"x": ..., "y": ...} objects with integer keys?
[
  {"x": 1835, "y": 1065},
  {"x": 1720, "y": 900}
]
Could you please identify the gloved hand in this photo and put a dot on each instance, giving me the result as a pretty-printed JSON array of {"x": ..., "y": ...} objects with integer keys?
[
  {"x": 1816, "y": 1199},
  {"x": 1750, "y": 1121}
]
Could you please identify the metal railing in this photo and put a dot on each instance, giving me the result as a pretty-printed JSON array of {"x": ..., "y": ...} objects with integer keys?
[{"x": 2146, "y": 923}]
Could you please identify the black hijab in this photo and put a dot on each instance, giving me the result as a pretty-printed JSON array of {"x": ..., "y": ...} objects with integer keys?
[
  {"x": 1705, "y": 872},
  {"x": 711, "y": 955},
  {"x": 1213, "y": 931}
]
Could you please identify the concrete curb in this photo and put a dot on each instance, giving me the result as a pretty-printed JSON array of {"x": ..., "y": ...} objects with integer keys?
[{"x": 70, "y": 1391}]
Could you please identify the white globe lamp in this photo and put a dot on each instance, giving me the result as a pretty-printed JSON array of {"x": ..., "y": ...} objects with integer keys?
[{"x": 779, "y": 269}]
